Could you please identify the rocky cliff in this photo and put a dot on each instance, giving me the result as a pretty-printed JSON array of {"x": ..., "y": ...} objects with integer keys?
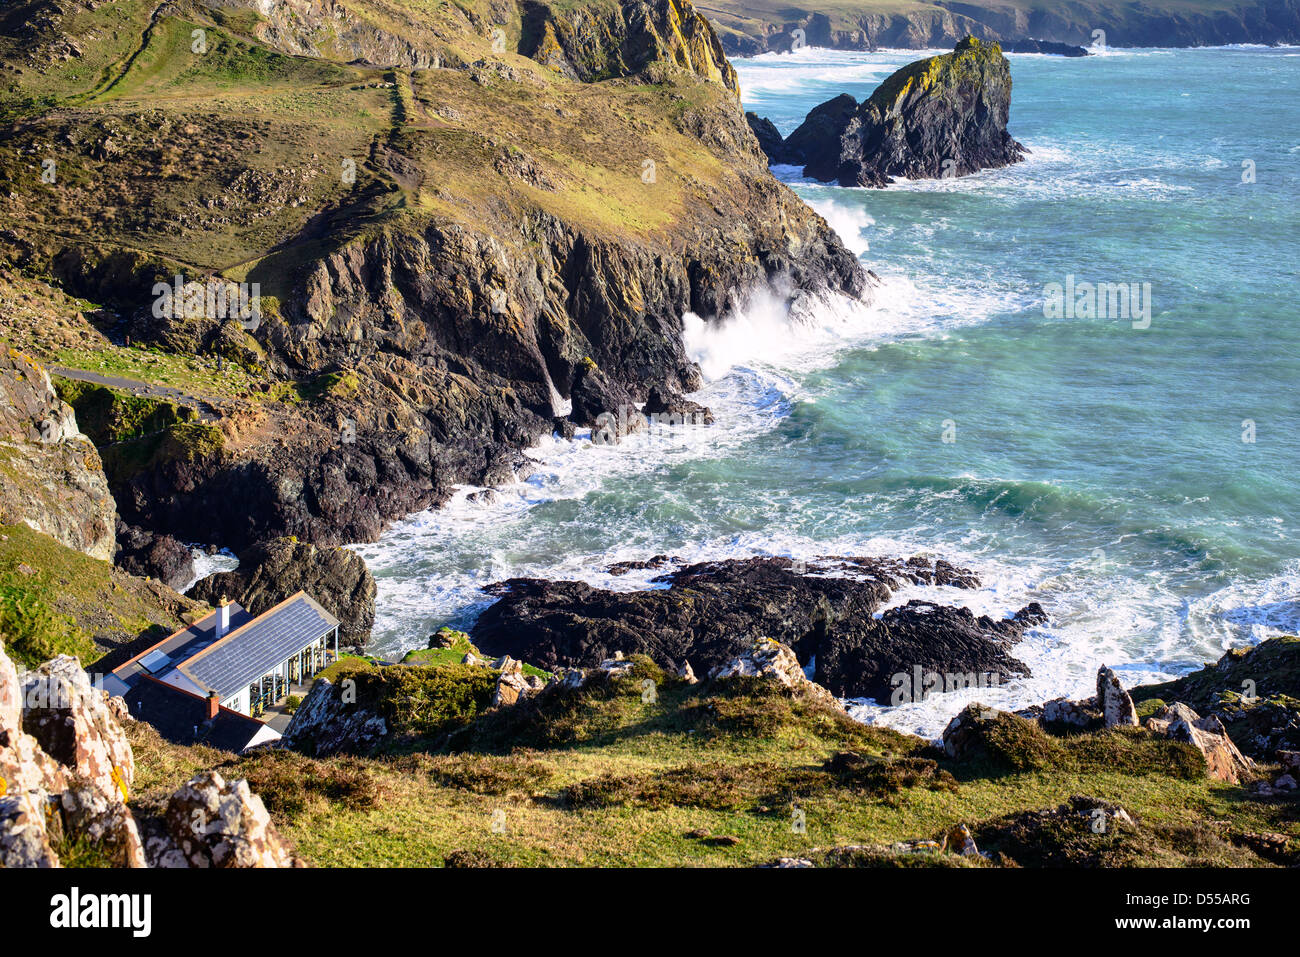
[
  {"x": 53, "y": 480},
  {"x": 489, "y": 248},
  {"x": 750, "y": 27},
  {"x": 940, "y": 117},
  {"x": 272, "y": 571}
]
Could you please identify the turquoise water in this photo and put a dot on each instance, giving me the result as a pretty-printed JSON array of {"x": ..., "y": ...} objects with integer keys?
[{"x": 1090, "y": 465}]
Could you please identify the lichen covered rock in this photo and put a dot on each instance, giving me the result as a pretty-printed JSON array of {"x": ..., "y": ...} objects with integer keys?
[{"x": 212, "y": 822}]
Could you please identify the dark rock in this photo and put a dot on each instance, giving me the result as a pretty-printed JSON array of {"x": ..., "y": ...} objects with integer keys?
[
  {"x": 1030, "y": 45},
  {"x": 153, "y": 555},
  {"x": 669, "y": 408},
  {"x": 951, "y": 647},
  {"x": 769, "y": 137},
  {"x": 944, "y": 116},
  {"x": 819, "y": 135},
  {"x": 714, "y": 612},
  {"x": 271, "y": 571},
  {"x": 622, "y": 568}
]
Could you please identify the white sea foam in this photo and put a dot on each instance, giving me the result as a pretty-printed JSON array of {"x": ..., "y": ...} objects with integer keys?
[{"x": 205, "y": 564}]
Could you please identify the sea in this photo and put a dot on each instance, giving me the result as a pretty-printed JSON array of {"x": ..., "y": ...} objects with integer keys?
[{"x": 1133, "y": 470}]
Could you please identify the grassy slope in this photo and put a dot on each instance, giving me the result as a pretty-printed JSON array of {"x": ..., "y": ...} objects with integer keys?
[
  {"x": 711, "y": 777},
  {"x": 231, "y": 162},
  {"x": 56, "y": 600}
]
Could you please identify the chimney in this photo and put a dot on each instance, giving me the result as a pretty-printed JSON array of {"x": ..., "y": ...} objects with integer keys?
[
  {"x": 223, "y": 616},
  {"x": 214, "y": 705}
]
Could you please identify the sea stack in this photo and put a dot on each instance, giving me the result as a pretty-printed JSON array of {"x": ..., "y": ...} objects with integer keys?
[{"x": 935, "y": 118}]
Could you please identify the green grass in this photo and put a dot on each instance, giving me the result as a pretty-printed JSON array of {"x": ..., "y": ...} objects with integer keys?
[
  {"x": 724, "y": 775},
  {"x": 109, "y": 416},
  {"x": 55, "y": 600}
]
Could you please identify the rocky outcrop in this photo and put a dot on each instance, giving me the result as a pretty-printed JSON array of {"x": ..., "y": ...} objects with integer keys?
[
  {"x": 331, "y": 720},
  {"x": 270, "y": 572},
  {"x": 66, "y": 772},
  {"x": 1207, "y": 735},
  {"x": 53, "y": 478},
  {"x": 940, "y": 117},
  {"x": 602, "y": 40},
  {"x": 1115, "y": 704},
  {"x": 211, "y": 822},
  {"x": 714, "y": 612},
  {"x": 773, "y": 661},
  {"x": 157, "y": 555},
  {"x": 78, "y": 725},
  {"x": 1254, "y": 692}
]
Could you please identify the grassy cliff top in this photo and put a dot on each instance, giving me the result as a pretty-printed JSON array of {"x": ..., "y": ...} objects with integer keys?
[
  {"x": 973, "y": 61},
  {"x": 735, "y": 773},
  {"x": 271, "y": 145}
]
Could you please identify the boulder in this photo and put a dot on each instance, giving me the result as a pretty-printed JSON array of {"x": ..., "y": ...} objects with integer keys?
[
  {"x": 511, "y": 684},
  {"x": 1075, "y": 714},
  {"x": 105, "y": 820},
  {"x": 330, "y": 721},
  {"x": 1113, "y": 701},
  {"x": 72, "y": 722},
  {"x": 23, "y": 765},
  {"x": 939, "y": 117},
  {"x": 959, "y": 840},
  {"x": 964, "y": 734},
  {"x": 776, "y": 662},
  {"x": 1207, "y": 735},
  {"x": 211, "y": 822},
  {"x": 24, "y": 838},
  {"x": 271, "y": 571}
]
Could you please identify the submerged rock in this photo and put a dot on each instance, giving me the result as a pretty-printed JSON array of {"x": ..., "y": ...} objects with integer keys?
[
  {"x": 935, "y": 118},
  {"x": 1051, "y": 47}
]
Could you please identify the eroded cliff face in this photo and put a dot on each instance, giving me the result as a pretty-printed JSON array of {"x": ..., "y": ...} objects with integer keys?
[
  {"x": 602, "y": 40},
  {"x": 510, "y": 249},
  {"x": 52, "y": 478},
  {"x": 751, "y": 27}
]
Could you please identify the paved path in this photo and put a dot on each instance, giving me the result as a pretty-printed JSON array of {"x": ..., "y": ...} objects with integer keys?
[{"x": 206, "y": 411}]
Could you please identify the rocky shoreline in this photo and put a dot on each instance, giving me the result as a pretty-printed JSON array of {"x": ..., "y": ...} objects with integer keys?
[{"x": 749, "y": 29}]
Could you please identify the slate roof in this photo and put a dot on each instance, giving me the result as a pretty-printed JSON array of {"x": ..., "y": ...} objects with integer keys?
[
  {"x": 182, "y": 718},
  {"x": 251, "y": 650}
]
